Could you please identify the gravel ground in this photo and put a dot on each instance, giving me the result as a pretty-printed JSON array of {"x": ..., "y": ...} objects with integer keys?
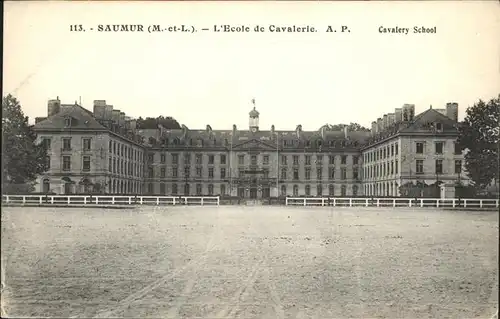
[{"x": 249, "y": 262}]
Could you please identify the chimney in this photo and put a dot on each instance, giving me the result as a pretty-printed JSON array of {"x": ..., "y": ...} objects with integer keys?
[
  {"x": 272, "y": 129},
  {"x": 380, "y": 124},
  {"x": 133, "y": 124},
  {"x": 412, "y": 112},
  {"x": 108, "y": 112},
  {"x": 121, "y": 122},
  {"x": 374, "y": 128},
  {"x": 298, "y": 130},
  {"x": 442, "y": 111},
  {"x": 398, "y": 114},
  {"x": 452, "y": 111},
  {"x": 386, "y": 121},
  {"x": 99, "y": 109},
  {"x": 391, "y": 118},
  {"x": 53, "y": 107},
  {"x": 115, "y": 116},
  {"x": 345, "y": 132},
  {"x": 407, "y": 116}
]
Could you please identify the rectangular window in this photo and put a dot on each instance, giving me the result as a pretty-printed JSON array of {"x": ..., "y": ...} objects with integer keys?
[
  {"x": 458, "y": 167},
  {"x": 186, "y": 171},
  {"x": 296, "y": 174},
  {"x": 163, "y": 158},
  {"x": 47, "y": 161},
  {"x": 222, "y": 173},
  {"x": 295, "y": 160},
  {"x": 439, "y": 166},
  {"x": 86, "y": 144},
  {"x": 392, "y": 167},
  {"x": 110, "y": 165},
  {"x": 86, "y": 163},
  {"x": 198, "y": 189},
  {"x": 392, "y": 150},
  {"x": 66, "y": 163},
  {"x": 241, "y": 172},
  {"x": 458, "y": 150},
  {"x": 150, "y": 172},
  {"x": 319, "y": 174},
  {"x": 199, "y": 159},
  {"x": 308, "y": 173},
  {"x": 308, "y": 160},
  {"x": 151, "y": 158},
  {"x": 223, "y": 159},
  {"x": 210, "y": 172},
  {"x": 211, "y": 159},
  {"x": 355, "y": 174},
  {"x": 283, "y": 159},
  {"x": 174, "y": 189},
  {"x": 241, "y": 159},
  {"x": 283, "y": 173},
  {"x": 162, "y": 189},
  {"x": 343, "y": 173},
  {"x": 420, "y": 148},
  {"x": 343, "y": 160},
  {"x": 331, "y": 160},
  {"x": 331, "y": 173},
  {"x": 396, "y": 167},
  {"x": 47, "y": 143},
  {"x": 266, "y": 174},
  {"x": 223, "y": 189},
  {"x": 66, "y": 144},
  {"x": 198, "y": 172},
  {"x": 187, "y": 158},
  {"x": 174, "y": 172},
  {"x": 319, "y": 159},
  {"x": 253, "y": 160},
  {"x": 162, "y": 172},
  {"x": 419, "y": 166},
  {"x": 175, "y": 159},
  {"x": 439, "y": 147},
  {"x": 355, "y": 160},
  {"x": 265, "y": 159}
]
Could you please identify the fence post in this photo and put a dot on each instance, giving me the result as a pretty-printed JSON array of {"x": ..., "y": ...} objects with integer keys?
[
  {"x": 421, "y": 203},
  {"x": 304, "y": 201},
  {"x": 41, "y": 199},
  {"x": 437, "y": 202},
  {"x": 409, "y": 202},
  {"x": 481, "y": 203},
  {"x": 113, "y": 200},
  {"x": 157, "y": 200},
  {"x": 7, "y": 198},
  {"x": 84, "y": 200},
  {"x": 202, "y": 201},
  {"x": 185, "y": 200},
  {"x": 173, "y": 200},
  {"x": 24, "y": 199},
  {"x": 453, "y": 203},
  {"x": 393, "y": 203},
  {"x": 140, "y": 200},
  {"x": 378, "y": 202},
  {"x": 334, "y": 202},
  {"x": 130, "y": 200},
  {"x": 322, "y": 201},
  {"x": 465, "y": 203},
  {"x": 69, "y": 199},
  {"x": 97, "y": 200},
  {"x": 350, "y": 202},
  {"x": 366, "y": 202}
]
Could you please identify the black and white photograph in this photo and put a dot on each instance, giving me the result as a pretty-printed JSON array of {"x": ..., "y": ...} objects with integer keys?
[{"x": 250, "y": 159}]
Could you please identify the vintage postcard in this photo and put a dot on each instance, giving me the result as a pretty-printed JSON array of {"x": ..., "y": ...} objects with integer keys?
[{"x": 250, "y": 159}]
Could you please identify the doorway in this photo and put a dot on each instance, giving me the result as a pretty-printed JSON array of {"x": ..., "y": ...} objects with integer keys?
[{"x": 253, "y": 193}]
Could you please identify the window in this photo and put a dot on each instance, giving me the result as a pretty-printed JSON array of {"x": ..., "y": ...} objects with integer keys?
[
  {"x": 174, "y": 189},
  {"x": 343, "y": 173},
  {"x": 211, "y": 160},
  {"x": 210, "y": 189},
  {"x": 319, "y": 174},
  {"x": 150, "y": 188},
  {"x": 67, "y": 122},
  {"x": 308, "y": 160},
  {"x": 295, "y": 190},
  {"x": 355, "y": 160},
  {"x": 86, "y": 144},
  {"x": 283, "y": 173},
  {"x": 331, "y": 190},
  {"x": 419, "y": 166},
  {"x": 150, "y": 172},
  {"x": 151, "y": 157},
  {"x": 355, "y": 190},
  {"x": 187, "y": 158},
  {"x": 199, "y": 159},
  {"x": 86, "y": 163},
  {"x": 241, "y": 159},
  {"x": 223, "y": 189},
  {"x": 265, "y": 159},
  {"x": 66, "y": 144},
  {"x": 308, "y": 173},
  {"x": 295, "y": 160},
  {"x": 222, "y": 173},
  {"x": 283, "y": 160},
  {"x": 186, "y": 171},
  {"x": 114, "y": 166},
  {"x": 343, "y": 160},
  {"x": 392, "y": 150},
  {"x": 210, "y": 172},
  {"x": 47, "y": 162},
  {"x": 439, "y": 166},
  {"x": 186, "y": 189},
  {"x": 46, "y": 186},
  {"x": 66, "y": 163},
  {"x": 308, "y": 190},
  {"x": 283, "y": 190},
  {"x": 253, "y": 160},
  {"x": 396, "y": 167},
  {"x": 458, "y": 149},
  {"x": 241, "y": 172},
  {"x": 175, "y": 159},
  {"x": 439, "y": 147},
  {"x": 458, "y": 166},
  {"x": 223, "y": 159},
  {"x": 266, "y": 174},
  {"x": 110, "y": 164},
  {"x": 343, "y": 190},
  {"x": 331, "y": 160},
  {"x": 198, "y": 171},
  {"x": 163, "y": 172},
  {"x": 296, "y": 174},
  {"x": 439, "y": 127},
  {"x": 162, "y": 188},
  {"x": 355, "y": 174},
  {"x": 47, "y": 143},
  {"x": 163, "y": 158},
  {"x": 319, "y": 190},
  {"x": 331, "y": 173},
  {"x": 174, "y": 172},
  {"x": 198, "y": 189},
  {"x": 420, "y": 148},
  {"x": 392, "y": 167},
  {"x": 319, "y": 159}
]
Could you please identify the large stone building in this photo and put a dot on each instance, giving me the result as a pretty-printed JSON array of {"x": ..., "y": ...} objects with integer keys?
[{"x": 103, "y": 151}]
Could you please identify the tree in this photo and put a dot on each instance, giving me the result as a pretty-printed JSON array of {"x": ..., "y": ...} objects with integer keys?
[
  {"x": 479, "y": 137},
  {"x": 23, "y": 159},
  {"x": 353, "y": 127},
  {"x": 152, "y": 123}
]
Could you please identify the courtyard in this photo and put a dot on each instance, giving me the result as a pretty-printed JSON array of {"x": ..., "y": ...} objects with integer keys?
[{"x": 249, "y": 262}]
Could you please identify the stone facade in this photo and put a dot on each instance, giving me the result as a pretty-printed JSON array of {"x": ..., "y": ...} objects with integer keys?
[{"x": 108, "y": 154}]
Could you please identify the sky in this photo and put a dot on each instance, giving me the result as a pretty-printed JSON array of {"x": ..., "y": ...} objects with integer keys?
[{"x": 295, "y": 78}]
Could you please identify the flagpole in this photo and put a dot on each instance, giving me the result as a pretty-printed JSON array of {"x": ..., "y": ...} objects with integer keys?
[{"x": 231, "y": 166}]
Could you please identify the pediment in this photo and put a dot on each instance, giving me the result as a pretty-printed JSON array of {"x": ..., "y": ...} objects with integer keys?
[{"x": 254, "y": 144}]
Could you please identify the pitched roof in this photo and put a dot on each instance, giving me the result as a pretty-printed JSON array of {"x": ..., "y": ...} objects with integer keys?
[{"x": 81, "y": 118}]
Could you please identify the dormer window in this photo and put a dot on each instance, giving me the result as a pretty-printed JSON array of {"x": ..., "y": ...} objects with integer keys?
[
  {"x": 439, "y": 127},
  {"x": 67, "y": 121}
]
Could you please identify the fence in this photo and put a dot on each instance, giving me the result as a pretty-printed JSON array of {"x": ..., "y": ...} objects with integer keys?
[
  {"x": 393, "y": 202},
  {"x": 109, "y": 200}
]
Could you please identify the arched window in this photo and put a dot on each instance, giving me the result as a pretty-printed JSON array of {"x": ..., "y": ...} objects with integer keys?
[
  {"x": 295, "y": 190},
  {"x": 46, "y": 185},
  {"x": 319, "y": 190},
  {"x": 283, "y": 190},
  {"x": 308, "y": 190}
]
